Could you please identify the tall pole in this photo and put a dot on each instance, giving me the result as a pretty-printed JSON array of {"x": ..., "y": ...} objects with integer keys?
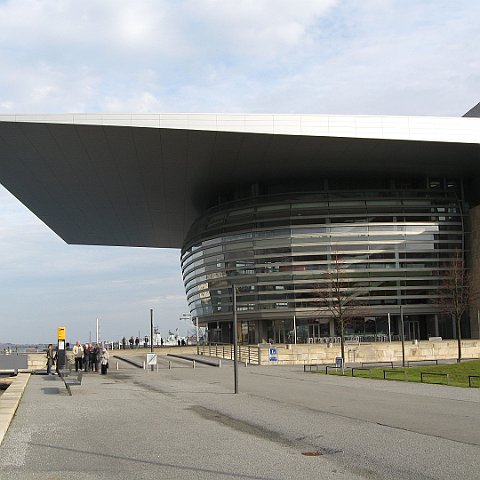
[
  {"x": 198, "y": 337},
  {"x": 294, "y": 329},
  {"x": 402, "y": 335},
  {"x": 151, "y": 331},
  {"x": 96, "y": 338},
  {"x": 151, "y": 335},
  {"x": 235, "y": 341}
]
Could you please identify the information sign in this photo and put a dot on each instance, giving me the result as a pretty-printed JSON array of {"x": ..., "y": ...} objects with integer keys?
[
  {"x": 339, "y": 362},
  {"x": 151, "y": 358},
  {"x": 272, "y": 354},
  {"x": 61, "y": 333}
]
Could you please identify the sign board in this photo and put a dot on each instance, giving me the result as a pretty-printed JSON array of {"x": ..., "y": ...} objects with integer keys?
[
  {"x": 151, "y": 358},
  {"x": 61, "y": 333},
  {"x": 339, "y": 362},
  {"x": 272, "y": 354}
]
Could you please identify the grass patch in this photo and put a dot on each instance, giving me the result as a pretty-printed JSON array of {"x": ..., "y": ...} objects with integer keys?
[{"x": 458, "y": 373}]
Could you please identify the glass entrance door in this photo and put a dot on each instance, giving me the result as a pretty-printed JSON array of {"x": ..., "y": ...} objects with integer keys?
[{"x": 412, "y": 330}]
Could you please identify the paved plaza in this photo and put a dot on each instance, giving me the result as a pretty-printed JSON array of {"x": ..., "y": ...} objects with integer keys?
[{"x": 185, "y": 423}]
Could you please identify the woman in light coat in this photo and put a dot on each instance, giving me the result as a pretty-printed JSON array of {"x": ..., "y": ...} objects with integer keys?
[{"x": 104, "y": 361}]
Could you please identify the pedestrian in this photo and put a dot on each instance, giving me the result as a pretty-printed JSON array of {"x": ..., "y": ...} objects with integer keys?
[
  {"x": 104, "y": 361},
  {"x": 161, "y": 341},
  {"x": 50, "y": 358},
  {"x": 69, "y": 358},
  {"x": 131, "y": 341},
  {"x": 94, "y": 354},
  {"x": 86, "y": 357},
  {"x": 137, "y": 342},
  {"x": 124, "y": 343},
  {"x": 145, "y": 341},
  {"x": 78, "y": 355}
]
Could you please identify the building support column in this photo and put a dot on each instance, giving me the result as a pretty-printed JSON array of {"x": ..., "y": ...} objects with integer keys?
[
  {"x": 436, "y": 329},
  {"x": 331, "y": 324}
]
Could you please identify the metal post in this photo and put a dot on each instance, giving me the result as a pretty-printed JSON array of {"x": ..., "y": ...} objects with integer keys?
[
  {"x": 198, "y": 337},
  {"x": 151, "y": 335},
  {"x": 151, "y": 330},
  {"x": 235, "y": 363},
  {"x": 294, "y": 329},
  {"x": 402, "y": 335}
]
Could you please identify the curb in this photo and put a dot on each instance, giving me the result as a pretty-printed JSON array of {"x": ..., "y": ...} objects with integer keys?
[{"x": 10, "y": 400}]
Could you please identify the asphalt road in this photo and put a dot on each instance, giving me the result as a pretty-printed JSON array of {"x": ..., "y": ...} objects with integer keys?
[{"x": 186, "y": 423}]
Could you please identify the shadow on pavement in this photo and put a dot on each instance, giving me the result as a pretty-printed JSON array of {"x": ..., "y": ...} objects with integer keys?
[{"x": 150, "y": 462}]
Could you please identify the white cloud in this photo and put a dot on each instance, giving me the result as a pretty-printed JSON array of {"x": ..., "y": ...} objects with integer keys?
[{"x": 308, "y": 56}]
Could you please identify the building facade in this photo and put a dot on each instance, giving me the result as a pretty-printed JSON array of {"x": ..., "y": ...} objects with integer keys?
[
  {"x": 272, "y": 207},
  {"x": 390, "y": 241}
]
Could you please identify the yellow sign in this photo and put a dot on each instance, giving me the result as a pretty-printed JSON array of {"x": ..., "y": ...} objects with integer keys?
[{"x": 61, "y": 333}]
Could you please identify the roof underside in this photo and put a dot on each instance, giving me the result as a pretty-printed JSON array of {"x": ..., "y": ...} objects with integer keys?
[{"x": 137, "y": 186}]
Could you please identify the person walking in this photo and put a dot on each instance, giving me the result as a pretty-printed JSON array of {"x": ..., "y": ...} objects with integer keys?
[
  {"x": 124, "y": 343},
  {"x": 104, "y": 362},
  {"x": 137, "y": 342},
  {"x": 50, "y": 358},
  {"x": 86, "y": 357},
  {"x": 78, "y": 355},
  {"x": 69, "y": 357},
  {"x": 94, "y": 354}
]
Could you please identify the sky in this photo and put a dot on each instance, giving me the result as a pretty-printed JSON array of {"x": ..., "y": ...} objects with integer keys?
[{"x": 388, "y": 57}]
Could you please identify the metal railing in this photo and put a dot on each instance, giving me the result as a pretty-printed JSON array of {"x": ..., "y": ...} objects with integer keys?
[{"x": 246, "y": 353}]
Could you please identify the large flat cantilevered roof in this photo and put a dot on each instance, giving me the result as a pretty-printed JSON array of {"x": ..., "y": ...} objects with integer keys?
[{"x": 142, "y": 179}]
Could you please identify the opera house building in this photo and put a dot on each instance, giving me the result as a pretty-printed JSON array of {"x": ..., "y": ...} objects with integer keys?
[{"x": 270, "y": 204}]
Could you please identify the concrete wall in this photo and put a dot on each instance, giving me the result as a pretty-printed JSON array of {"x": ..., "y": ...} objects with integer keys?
[
  {"x": 372, "y": 352},
  {"x": 321, "y": 353}
]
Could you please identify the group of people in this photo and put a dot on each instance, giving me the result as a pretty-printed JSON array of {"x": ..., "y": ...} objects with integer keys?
[
  {"x": 134, "y": 342},
  {"x": 89, "y": 357}
]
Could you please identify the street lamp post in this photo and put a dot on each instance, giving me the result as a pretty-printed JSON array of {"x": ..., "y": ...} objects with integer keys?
[
  {"x": 151, "y": 330},
  {"x": 198, "y": 338}
]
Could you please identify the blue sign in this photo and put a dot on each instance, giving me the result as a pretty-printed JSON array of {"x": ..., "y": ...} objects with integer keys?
[{"x": 272, "y": 354}]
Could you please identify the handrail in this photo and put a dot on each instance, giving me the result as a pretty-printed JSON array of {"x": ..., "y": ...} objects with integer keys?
[{"x": 246, "y": 353}]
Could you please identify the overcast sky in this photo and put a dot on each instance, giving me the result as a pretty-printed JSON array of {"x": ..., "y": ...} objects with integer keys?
[{"x": 278, "y": 56}]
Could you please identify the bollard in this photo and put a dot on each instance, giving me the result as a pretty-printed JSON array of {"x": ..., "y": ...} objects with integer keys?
[
  {"x": 169, "y": 364},
  {"x": 246, "y": 362},
  {"x": 219, "y": 363},
  {"x": 117, "y": 366},
  {"x": 193, "y": 365},
  {"x": 144, "y": 366}
]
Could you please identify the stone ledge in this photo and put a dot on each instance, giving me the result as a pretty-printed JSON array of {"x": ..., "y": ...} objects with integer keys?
[{"x": 10, "y": 400}]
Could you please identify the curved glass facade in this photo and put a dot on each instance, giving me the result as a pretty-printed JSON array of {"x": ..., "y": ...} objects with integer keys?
[{"x": 392, "y": 246}]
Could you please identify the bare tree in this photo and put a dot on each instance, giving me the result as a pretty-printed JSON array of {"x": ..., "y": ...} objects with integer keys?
[
  {"x": 457, "y": 293},
  {"x": 339, "y": 297}
]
